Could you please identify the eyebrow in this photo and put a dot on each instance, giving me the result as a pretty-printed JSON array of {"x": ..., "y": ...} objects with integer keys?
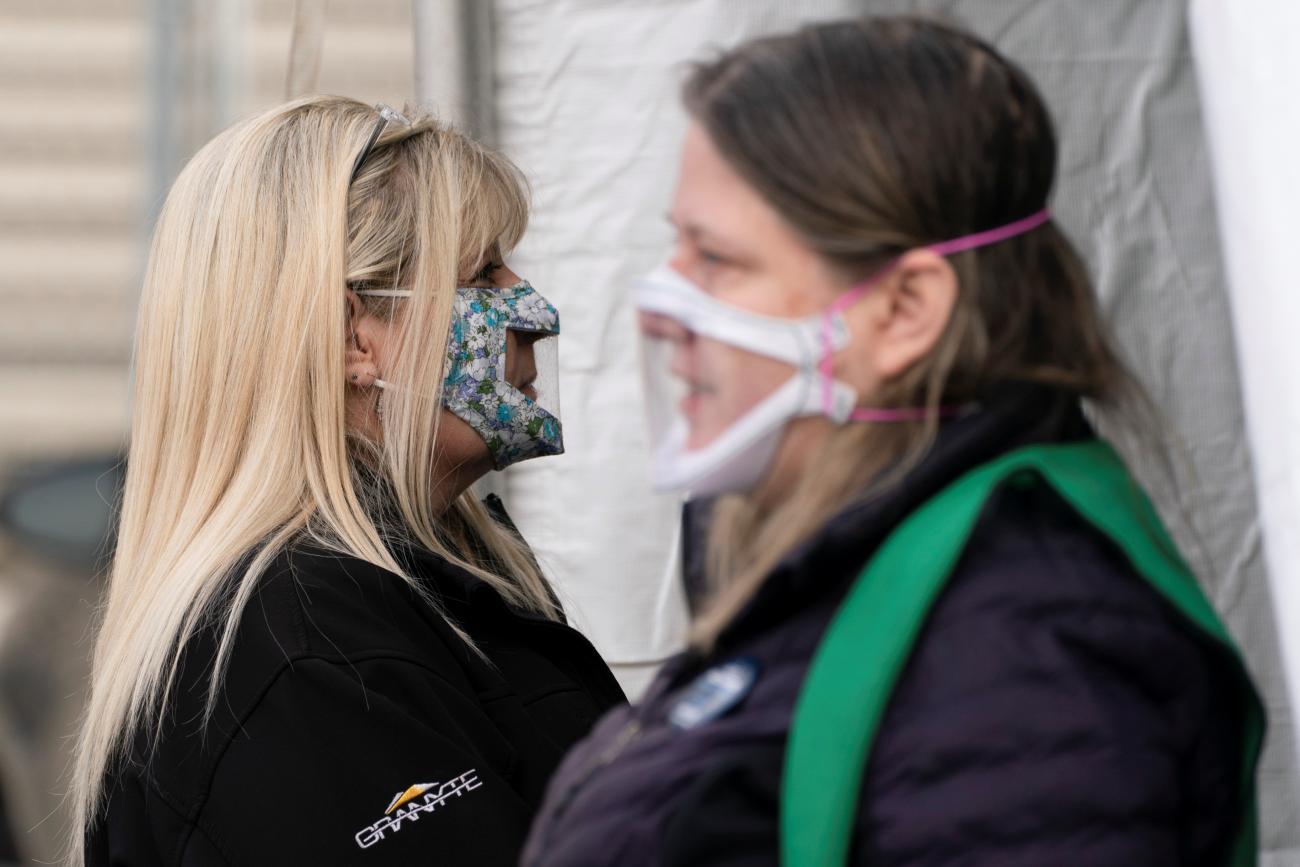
[{"x": 695, "y": 232}]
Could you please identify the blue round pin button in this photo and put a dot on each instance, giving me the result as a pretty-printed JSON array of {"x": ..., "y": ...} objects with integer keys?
[{"x": 715, "y": 692}]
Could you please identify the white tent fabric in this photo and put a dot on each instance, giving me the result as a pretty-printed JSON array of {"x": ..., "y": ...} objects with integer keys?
[
  {"x": 1248, "y": 72},
  {"x": 587, "y": 104}
]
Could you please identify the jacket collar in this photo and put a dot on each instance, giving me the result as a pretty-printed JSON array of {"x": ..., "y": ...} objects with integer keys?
[
  {"x": 463, "y": 593},
  {"x": 821, "y": 568}
]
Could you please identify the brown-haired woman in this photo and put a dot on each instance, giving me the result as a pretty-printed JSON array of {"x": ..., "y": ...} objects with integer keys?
[{"x": 944, "y": 626}]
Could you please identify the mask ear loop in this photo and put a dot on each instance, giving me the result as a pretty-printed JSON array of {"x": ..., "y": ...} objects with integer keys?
[{"x": 851, "y": 297}]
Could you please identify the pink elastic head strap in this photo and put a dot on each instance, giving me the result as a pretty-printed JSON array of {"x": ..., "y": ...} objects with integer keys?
[{"x": 849, "y": 298}]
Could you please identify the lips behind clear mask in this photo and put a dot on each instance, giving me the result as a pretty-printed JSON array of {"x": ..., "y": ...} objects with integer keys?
[{"x": 721, "y": 384}]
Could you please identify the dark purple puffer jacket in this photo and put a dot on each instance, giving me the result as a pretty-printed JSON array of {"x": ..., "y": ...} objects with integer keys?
[{"x": 1055, "y": 710}]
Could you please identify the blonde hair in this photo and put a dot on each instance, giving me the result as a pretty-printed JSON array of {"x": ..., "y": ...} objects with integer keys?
[{"x": 239, "y": 443}]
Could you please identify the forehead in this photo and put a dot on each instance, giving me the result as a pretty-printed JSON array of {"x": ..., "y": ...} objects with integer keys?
[{"x": 712, "y": 198}]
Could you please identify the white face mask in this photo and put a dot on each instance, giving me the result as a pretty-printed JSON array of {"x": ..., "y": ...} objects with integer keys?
[
  {"x": 697, "y": 447},
  {"x": 722, "y": 383}
]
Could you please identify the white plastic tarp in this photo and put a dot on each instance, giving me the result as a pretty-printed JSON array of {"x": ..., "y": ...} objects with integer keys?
[
  {"x": 1249, "y": 72},
  {"x": 587, "y": 104}
]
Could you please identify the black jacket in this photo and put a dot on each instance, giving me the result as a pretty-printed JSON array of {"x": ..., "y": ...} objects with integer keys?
[
  {"x": 355, "y": 727},
  {"x": 1055, "y": 710}
]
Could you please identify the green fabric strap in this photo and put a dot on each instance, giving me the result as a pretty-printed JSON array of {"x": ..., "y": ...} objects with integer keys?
[{"x": 871, "y": 636}]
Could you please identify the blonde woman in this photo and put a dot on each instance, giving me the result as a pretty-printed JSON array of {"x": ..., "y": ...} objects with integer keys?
[{"x": 318, "y": 647}]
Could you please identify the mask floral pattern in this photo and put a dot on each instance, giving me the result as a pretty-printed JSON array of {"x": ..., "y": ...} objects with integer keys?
[{"x": 514, "y": 426}]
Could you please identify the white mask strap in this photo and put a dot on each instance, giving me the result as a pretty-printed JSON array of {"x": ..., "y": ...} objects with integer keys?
[{"x": 386, "y": 293}]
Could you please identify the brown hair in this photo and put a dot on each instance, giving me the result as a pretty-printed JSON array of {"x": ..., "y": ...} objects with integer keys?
[{"x": 870, "y": 137}]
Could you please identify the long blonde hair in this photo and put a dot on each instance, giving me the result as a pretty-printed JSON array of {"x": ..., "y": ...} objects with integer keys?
[{"x": 239, "y": 443}]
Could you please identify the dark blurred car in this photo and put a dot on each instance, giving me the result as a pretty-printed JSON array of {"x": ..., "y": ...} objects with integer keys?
[{"x": 55, "y": 535}]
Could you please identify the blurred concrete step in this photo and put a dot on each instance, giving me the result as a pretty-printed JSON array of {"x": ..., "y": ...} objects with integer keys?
[
  {"x": 90, "y": 331},
  {"x": 91, "y": 56},
  {"x": 51, "y": 410},
  {"x": 53, "y": 199},
  {"x": 67, "y": 267},
  {"x": 74, "y": 10},
  {"x": 68, "y": 298},
  {"x": 35, "y": 125},
  {"x": 341, "y": 12}
]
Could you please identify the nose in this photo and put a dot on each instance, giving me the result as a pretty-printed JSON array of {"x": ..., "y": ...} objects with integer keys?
[{"x": 661, "y": 327}]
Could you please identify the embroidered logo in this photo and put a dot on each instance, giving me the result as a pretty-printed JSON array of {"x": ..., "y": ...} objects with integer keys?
[{"x": 409, "y": 804}]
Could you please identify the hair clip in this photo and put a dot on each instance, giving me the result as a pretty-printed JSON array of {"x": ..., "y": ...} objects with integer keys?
[
  {"x": 387, "y": 115},
  {"x": 391, "y": 114}
]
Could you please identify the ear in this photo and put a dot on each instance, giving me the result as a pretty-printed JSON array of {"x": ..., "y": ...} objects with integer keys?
[
  {"x": 912, "y": 307},
  {"x": 364, "y": 337}
]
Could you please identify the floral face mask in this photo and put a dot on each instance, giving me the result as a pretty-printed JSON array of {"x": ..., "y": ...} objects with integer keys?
[
  {"x": 515, "y": 425},
  {"x": 517, "y": 422}
]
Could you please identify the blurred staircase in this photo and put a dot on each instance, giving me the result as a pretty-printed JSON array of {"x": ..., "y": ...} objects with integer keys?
[
  {"x": 72, "y": 180},
  {"x": 75, "y": 179}
]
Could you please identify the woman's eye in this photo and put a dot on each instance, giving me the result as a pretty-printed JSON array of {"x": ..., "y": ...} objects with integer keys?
[{"x": 710, "y": 258}]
